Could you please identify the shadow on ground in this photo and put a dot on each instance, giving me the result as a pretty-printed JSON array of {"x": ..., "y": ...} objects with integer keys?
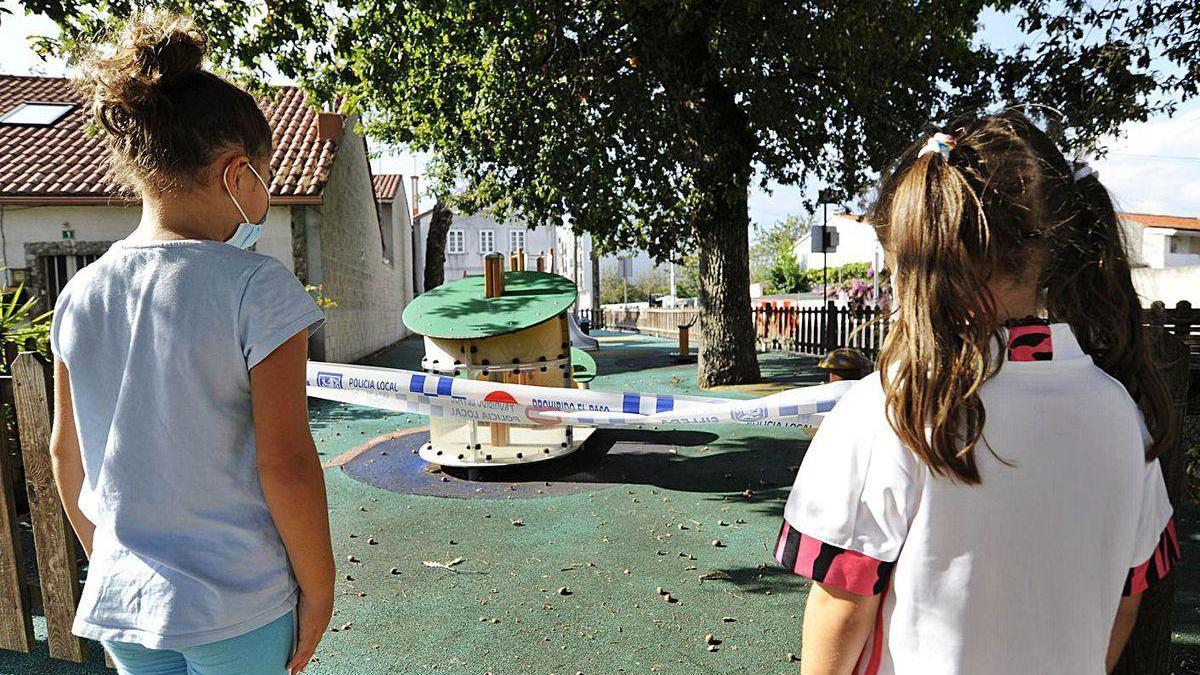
[{"x": 682, "y": 460}]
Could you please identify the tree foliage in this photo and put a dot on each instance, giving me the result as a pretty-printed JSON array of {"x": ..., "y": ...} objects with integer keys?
[
  {"x": 772, "y": 248},
  {"x": 644, "y": 122}
]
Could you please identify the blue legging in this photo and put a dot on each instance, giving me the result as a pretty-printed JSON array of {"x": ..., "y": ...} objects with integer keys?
[{"x": 264, "y": 651}]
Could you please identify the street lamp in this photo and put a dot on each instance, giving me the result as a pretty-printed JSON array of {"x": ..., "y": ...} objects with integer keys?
[{"x": 825, "y": 240}]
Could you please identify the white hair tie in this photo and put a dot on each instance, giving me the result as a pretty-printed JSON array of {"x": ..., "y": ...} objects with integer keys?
[
  {"x": 943, "y": 144},
  {"x": 1082, "y": 171}
]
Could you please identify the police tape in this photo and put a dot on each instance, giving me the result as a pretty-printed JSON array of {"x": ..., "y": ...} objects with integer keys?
[{"x": 407, "y": 391}]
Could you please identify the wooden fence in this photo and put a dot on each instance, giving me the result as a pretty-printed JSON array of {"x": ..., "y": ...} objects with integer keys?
[
  {"x": 817, "y": 330},
  {"x": 29, "y": 481},
  {"x": 804, "y": 330}
]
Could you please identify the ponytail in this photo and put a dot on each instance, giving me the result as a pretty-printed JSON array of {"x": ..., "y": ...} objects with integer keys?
[
  {"x": 1089, "y": 287},
  {"x": 986, "y": 197}
]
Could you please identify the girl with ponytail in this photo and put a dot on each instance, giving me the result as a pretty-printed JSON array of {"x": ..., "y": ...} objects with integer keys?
[
  {"x": 995, "y": 481},
  {"x": 181, "y": 444}
]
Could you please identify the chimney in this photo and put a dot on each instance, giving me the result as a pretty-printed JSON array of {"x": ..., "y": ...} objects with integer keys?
[
  {"x": 329, "y": 126},
  {"x": 414, "y": 197}
]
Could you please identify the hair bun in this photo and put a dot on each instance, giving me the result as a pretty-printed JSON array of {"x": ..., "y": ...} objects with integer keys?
[
  {"x": 154, "y": 50},
  {"x": 171, "y": 48}
]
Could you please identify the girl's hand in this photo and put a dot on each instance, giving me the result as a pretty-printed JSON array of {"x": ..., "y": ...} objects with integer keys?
[{"x": 312, "y": 618}]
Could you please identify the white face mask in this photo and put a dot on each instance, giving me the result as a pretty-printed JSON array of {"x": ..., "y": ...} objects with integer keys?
[{"x": 247, "y": 233}]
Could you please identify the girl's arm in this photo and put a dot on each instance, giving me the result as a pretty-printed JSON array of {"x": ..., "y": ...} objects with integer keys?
[
  {"x": 294, "y": 485},
  {"x": 1127, "y": 613},
  {"x": 837, "y": 624},
  {"x": 65, "y": 459}
]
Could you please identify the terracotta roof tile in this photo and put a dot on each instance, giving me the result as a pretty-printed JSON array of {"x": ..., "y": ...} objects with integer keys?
[
  {"x": 1170, "y": 222},
  {"x": 64, "y": 160},
  {"x": 386, "y": 186}
]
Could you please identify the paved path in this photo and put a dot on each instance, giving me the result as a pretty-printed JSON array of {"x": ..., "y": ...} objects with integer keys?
[{"x": 503, "y": 608}]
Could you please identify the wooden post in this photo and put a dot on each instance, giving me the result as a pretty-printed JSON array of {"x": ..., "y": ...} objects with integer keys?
[
  {"x": 52, "y": 535},
  {"x": 16, "y": 618},
  {"x": 1149, "y": 646},
  {"x": 493, "y": 275},
  {"x": 683, "y": 342},
  {"x": 493, "y": 287},
  {"x": 541, "y": 263}
]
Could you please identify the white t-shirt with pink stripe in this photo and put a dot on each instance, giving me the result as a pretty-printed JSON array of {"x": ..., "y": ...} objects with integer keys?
[{"x": 1020, "y": 574}]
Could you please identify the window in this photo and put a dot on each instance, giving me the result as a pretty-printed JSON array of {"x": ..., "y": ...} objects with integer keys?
[
  {"x": 456, "y": 242},
  {"x": 516, "y": 240},
  {"x": 58, "y": 269},
  {"x": 1182, "y": 243},
  {"x": 487, "y": 241},
  {"x": 36, "y": 114}
]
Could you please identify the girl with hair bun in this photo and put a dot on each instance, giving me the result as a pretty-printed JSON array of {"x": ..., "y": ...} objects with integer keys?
[
  {"x": 181, "y": 444},
  {"x": 990, "y": 500}
]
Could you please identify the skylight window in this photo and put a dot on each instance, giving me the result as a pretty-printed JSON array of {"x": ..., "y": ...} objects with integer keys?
[{"x": 36, "y": 114}]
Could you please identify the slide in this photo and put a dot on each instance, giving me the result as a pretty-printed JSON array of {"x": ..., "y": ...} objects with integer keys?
[{"x": 579, "y": 338}]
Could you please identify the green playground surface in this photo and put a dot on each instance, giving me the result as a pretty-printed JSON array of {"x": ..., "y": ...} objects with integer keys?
[{"x": 569, "y": 584}]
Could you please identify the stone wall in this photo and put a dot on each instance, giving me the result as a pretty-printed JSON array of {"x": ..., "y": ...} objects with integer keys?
[{"x": 369, "y": 292}]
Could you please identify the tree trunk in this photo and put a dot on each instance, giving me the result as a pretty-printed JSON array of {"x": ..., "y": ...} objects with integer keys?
[
  {"x": 435, "y": 245},
  {"x": 716, "y": 129},
  {"x": 727, "y": 354},
  {"x": 721, "y": 228}
]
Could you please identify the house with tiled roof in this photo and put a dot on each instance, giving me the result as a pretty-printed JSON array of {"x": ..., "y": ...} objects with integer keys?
[
  {"x": 61, "y": 208},
  {"x": 397, "y": 225},
  {"x": 1160, "y": 241}
]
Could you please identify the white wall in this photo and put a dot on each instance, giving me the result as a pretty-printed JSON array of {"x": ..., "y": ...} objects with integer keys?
[
  {"x": 277, "y": 236},
  {"x": 576, "y": 249},
  {"x": 20, "y": 225},
  {"x": 857, "y": 243},
  {"x": 1170, "y": 284}
]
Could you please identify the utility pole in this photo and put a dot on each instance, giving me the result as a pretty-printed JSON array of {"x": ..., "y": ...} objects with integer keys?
[
  {"x": 673, "y": 298},
  {"x": 824, "y": 254}
]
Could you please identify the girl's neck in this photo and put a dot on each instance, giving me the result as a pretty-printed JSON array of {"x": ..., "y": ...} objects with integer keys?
[
  {"x": 179, "y": 216},
  {"x": 1015, "y": 299}
]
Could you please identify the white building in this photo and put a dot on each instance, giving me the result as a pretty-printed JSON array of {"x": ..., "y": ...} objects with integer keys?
[
  {"x": 473, "y": 236},
  {"x": 60, "y": 209},
  {"x": 857, "y": 243},
  {"x": 1165, "y": 251},
  {"x": 1158, "y": 241}
]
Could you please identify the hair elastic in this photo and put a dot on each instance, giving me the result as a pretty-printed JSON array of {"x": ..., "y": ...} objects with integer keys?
[
  {"x": 943, "y": 144},
  {"x": 1082, "y": 170}
]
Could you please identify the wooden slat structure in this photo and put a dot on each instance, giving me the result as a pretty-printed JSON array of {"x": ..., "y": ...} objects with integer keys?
[
  {"x": 1148, "y": 651},
  {"x": 53, "y": 538},
  {"x": 16, "y": 617}
]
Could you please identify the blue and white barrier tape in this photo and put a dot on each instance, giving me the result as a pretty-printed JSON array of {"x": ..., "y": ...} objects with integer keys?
[{"x": 443, "y": 396}]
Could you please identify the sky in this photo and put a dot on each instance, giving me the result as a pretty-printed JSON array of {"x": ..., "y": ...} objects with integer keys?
[{"x": 1151, "y": 167}]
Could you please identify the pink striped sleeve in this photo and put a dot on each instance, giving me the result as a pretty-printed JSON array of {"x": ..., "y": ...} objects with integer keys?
[
  {"x": 850, "y": 571},
  {"x": 1162, "y": 561}
]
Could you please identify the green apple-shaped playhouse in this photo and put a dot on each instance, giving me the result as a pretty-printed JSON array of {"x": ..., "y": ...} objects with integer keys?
[{"x": 505, "y": 327}]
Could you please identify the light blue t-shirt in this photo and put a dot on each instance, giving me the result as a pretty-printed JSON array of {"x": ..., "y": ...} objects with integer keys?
[{"x": 159, "y": 338}]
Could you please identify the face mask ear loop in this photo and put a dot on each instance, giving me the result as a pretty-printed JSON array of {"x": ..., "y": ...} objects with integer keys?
[
  {"x": 225, "y": 182},
  {"x": 261, "y": 182}
]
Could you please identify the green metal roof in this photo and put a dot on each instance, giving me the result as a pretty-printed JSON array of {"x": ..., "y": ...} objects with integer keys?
[{"x": 458, "y": 309}]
